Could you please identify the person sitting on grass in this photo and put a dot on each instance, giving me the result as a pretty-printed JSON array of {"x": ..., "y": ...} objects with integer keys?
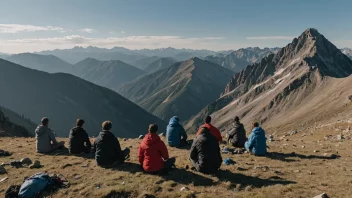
[
  {"x": 45, "y": 138},
  {"x": 79, "y": 140},
  {"x": 153, "y": 154},
  {"x": 205, "y": 152},
  {"x": 237, "y": 135},
  {"x": 213, "y": 130},
  {"x": 175, "y": 133},
  {"x": 107, "y": 148},
  {"x": 256, "y": 143}
]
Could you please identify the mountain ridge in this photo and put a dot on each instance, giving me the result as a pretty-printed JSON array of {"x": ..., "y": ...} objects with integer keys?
[
  {"x": 64, "y": 98},
  {"x": 47, "y": 63},
  {"x": 110, "y": 74},
  {"x": 187, "y": 85}
]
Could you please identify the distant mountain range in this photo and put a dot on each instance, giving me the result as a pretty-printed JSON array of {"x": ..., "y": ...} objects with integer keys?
[
  {"x": 47, "y": 63},
  {"x": 239, "y": 59},
  {"x": 132, "y": 57},
  {"x": 111, "y": 74},
  {"x": 78, "y": 54},
  {"x": 159, "y": 64},
  {"x": 13, "y": 124},
  {"x": 182, "y": 89},
  {"x": 64, "y": 98},
  {"x": 307, "y": 80}
]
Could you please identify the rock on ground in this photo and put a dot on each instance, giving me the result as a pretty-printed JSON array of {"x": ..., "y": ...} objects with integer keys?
[
  {"x": 2, "y": 170},
  {"x": 26, "y": 160},
  {"x": 36, "y": 164},
  {"x": 324, "y": 195}
]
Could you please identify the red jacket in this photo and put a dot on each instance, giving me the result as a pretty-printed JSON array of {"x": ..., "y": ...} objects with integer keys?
[
  {"x": 152, "y": 152},
  {"x": 213, "y": 130}
]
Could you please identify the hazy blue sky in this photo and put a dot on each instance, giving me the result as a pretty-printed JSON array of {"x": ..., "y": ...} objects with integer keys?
[{"x": 33, "y": 25}]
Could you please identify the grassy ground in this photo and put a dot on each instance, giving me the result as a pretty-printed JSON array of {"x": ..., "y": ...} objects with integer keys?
[{"x": 304, "y": 173}]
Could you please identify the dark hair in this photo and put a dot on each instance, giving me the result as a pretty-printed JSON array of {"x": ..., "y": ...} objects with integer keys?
[
  {"x": 237, "y": 119},
  {"x": 207, "y": 120},
  {"x": 107, "y": 125},
  {"x": 45, "y": 121},
  {"x": 80, "y": 122},
  {"x": 153, "y": 128},
  {"x": 256, "y": 124}
]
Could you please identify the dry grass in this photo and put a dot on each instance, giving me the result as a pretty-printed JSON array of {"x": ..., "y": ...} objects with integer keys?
[{"x": 305, "y": 174}]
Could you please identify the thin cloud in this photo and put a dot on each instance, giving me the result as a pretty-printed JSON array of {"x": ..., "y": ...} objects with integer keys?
[
  {"x": 88, "y": 30},
  {"x": 122, "y": 32},
  {"x": 343, "y": 43},
  {"x": 270, "y": 38},
  {"x": 15, "y": 28},
  {"x": 131, "y": 42}
]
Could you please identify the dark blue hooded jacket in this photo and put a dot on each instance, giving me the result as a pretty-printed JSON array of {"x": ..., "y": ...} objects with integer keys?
[
  {"x": 256, "y": 142},
  {"x": 174, "y": 132}
]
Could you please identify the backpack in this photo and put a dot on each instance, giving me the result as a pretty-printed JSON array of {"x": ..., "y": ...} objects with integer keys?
[{"x": 36, "y": 184}]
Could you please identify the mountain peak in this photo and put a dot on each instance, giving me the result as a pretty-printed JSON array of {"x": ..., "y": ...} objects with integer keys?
[{"x": 311, "y": 32}]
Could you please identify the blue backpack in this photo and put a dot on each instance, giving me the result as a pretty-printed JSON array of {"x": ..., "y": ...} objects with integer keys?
[{"x": 34, "y": 185}]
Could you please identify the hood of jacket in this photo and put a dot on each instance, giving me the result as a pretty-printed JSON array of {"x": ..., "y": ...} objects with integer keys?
[
  {"x": 257, "y": 130},
  {"x": 40, "y": 130},
  {"x": 76, "y": 130},
  {"x": 149, "y": 140},
  {"x": 236, "y": 124},
  {"x": 174, "y": 121}
]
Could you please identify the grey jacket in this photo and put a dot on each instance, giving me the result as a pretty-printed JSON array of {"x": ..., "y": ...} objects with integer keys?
[{"x": 44, "y": 136}]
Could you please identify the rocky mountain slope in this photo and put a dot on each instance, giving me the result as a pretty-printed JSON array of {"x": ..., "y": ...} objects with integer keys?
[
  {"x": 347, "y": 52},
  {"x": 159, "y": 64},
  {"x": 239, "y": 59},
  {"x": 47, "y": 63},
  {"x": 64, "y": 98},
  {"x": 308, "y": 78},
  {"x": 13, "y": 124},
  {"x": 182, "y": 89},
  {"x": 110, "y": 74}
]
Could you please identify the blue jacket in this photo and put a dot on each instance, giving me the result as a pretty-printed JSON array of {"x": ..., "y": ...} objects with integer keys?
[
  {"x": 174, "y": 132},
  {"x": 256, "y": 142}
]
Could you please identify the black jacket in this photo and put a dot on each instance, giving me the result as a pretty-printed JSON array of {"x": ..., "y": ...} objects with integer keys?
[
  {"x": 205, "y": 151},
  {"x": 237, "y": 135},
  {"x": 107, "y": 149},
  {"x": 79, "y": 141}
]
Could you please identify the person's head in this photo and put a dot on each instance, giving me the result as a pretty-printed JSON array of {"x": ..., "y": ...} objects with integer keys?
[
  {"x": 237, "y": 119},
  {"x": 107, "y": 125},
  {"x": 255, "y": 124},
  {"x": 79, "y": 122},
  {"x": 207, "y": 120},
  {"x": 45, "y": 121},
  {"x": 153, "y": 128}
]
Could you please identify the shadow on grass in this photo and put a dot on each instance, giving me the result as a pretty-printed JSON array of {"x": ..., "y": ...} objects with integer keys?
[
  {"x": 65, "y": 152},
  {"x": 284, "y": 156},
  {"x": 184, "y": 147},
  {"x": 185, "y": 177},
  {"x": 226, "y": 175},
  {"x": 127, "y": 167}
]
